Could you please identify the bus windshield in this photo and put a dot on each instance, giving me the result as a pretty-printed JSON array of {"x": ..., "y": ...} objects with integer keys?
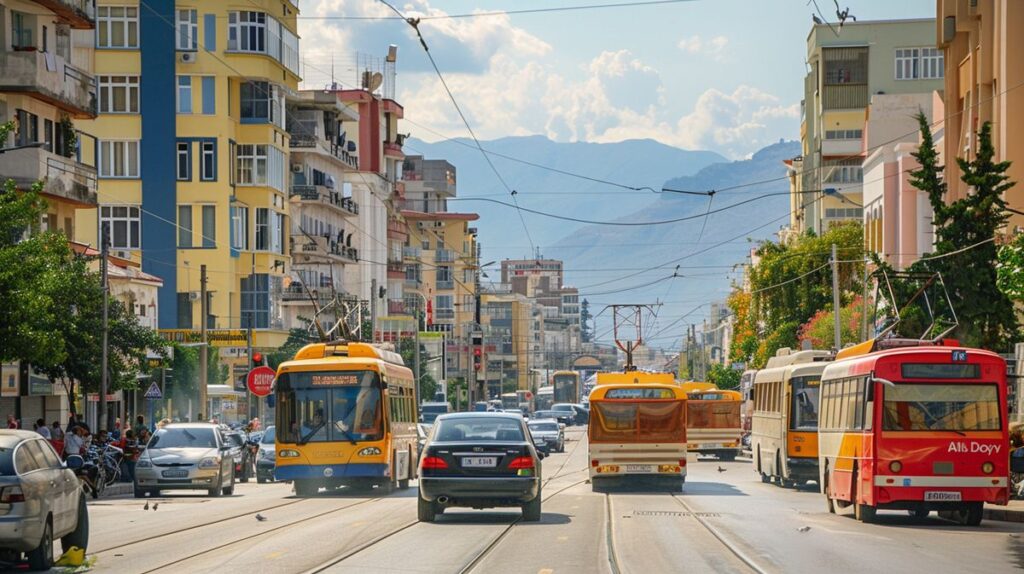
[
  {"x": 632, "y": 422},
  {"x": 937, "y": 407},
  {"x": 329, "y": 406},
  {"x": 805, "y": 403}
]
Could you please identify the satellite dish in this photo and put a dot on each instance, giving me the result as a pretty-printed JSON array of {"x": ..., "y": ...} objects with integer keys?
[{"x": 375, "y": 81}]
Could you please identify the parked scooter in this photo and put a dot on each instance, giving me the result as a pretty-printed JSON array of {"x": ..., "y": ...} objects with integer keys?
[{"x": 89, "y": 474}]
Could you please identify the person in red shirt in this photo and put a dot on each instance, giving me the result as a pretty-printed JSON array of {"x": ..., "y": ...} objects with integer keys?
[{"x": 12, "y": 423}]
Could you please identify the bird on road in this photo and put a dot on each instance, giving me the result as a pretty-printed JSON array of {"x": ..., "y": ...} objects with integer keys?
[
  {"x": 720, "y": 469},
  {"x": 155, "y": 505},
  {"x": 260, "y": 517},
  {"x": 147, "y": 506},
  {"x": 803, "y": 529}
]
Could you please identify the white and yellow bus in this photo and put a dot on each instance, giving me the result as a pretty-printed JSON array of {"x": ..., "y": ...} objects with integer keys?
[
  {"x": 713, "y": 420},
  {"x": 784, "y": 429},
  {"x": 637, "y": 428}
]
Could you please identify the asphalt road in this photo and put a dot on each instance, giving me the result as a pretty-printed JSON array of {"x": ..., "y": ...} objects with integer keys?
[{"x": 721, "y": 521}]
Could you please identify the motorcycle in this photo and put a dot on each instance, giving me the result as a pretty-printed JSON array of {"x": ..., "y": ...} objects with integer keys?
[{"x": 90, "y": 474}]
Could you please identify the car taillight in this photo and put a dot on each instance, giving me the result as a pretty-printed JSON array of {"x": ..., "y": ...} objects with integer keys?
[
  {"x": 521, "y": 462},
  {"x": 594, "y": 463},
  {"x": 11, "y": 494},
  {"x": 682, "y": 462},
  {"x": 433, "y": 463}
]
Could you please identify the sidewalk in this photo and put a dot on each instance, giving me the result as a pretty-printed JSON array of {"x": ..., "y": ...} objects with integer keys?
[{"x": 1012, "y": 512}]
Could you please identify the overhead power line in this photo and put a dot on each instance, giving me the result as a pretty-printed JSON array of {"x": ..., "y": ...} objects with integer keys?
[{"x": 506, "y": 12}]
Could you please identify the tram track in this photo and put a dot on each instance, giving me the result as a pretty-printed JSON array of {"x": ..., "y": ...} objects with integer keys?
[
  {"x": 731, "y": 546},
  {"x": 486, "y": 550},
  {"x": 177, "y": 562}
]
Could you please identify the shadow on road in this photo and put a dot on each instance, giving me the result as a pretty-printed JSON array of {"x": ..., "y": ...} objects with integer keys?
[{"x": 468, "y": 516}]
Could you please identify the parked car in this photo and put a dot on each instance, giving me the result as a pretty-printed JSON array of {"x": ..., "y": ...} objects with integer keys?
[
  {"x": 186, "y": 456},
  {"x": 547, "y": 435},
  {"x": 267, "y": 457},
  {"x": 479, "y": 460},
  {"x": 41, "y": 500},
  {"x": 564, "y": 417},
  {"x": 241, "y": 454}
]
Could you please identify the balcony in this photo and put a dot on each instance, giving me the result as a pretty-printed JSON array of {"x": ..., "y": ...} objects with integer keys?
[
  {"x": 309, "y": 142},
  {"x": 61, "y": 176},
  {"x": 411, "y": 252},
  {"x": 445, "y": 284},
  {"x": 445, "y": 256},
  {"x": 396, "y": 307},
  {"x": 50, "y": 79},
  {"x": 296, "y": 295},
  {"x": 394, "y": 150},
  {"x": 396, "y": 266},
  {"x": 841, "y": 147},
  {"x": 305, "y": 248},
  {"x": 444, "y": 314},
  {"x": 397, "y": 230},
  {"x": 79, "y": 14},
  {"x": 319, "y": 194}
]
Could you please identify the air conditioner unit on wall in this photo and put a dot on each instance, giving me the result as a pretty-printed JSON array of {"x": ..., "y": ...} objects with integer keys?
[
  {"x": 193, "y": 295},
  {"x": 296, "y": 168},
  {"x": 187, "y": 57}
]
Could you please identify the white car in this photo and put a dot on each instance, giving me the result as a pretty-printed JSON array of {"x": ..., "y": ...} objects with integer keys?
[{"x": 186, "y": 456}]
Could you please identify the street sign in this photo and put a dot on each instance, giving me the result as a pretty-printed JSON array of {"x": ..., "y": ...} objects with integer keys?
[
  {"x": 153, "y": 392},
  {"x": 259, "y": 381}
]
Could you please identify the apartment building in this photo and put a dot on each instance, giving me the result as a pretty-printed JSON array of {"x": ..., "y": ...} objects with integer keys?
[
  {"x": 984, "y": 66},
  {"x": 557, "y": 304},
  {"x": 47, "y": 89},
  {"x": 508, "y": 327},
  {"x": 199, "y": 90},
  {"x": 845, "y": 69}
]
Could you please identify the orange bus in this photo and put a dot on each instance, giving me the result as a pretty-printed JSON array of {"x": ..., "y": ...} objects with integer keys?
[
  {"x": 915, "y": 427},
  {"x": 637, "y": 428},
  {"x": 713, "y": 422}
]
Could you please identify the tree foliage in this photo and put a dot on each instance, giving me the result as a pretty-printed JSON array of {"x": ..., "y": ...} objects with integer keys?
[
  {"x": 724, "y": 377},
  {"x": 965, "y": 250},
  {"x": 820, "y": 329}
]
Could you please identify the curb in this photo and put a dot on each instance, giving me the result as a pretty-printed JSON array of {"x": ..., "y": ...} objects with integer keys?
[
  {"x": 116, "y": 490},
  {"x": 1003, "y": 514}
]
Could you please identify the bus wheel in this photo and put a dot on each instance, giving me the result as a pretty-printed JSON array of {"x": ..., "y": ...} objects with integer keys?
[
  {"x": 971, "y": 514},
  {"x": 306, "y": 488},
  {"x": 829, "y": 503},
  {"x": 863, "y": 512}
]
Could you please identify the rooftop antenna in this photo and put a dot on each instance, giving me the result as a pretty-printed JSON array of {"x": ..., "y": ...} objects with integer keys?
[{"x": 628, "y": 329}]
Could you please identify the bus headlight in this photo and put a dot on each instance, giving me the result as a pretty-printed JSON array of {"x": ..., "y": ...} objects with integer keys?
[
  {"x": 895, "y": 466},
  {"x": 988, "y": 467},
  {"x": 288, "y": 453}
]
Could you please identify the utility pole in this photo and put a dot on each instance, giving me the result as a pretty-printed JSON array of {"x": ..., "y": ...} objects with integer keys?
[
  {"x": 864, "y": 305},
  {"x": 419, "y": 376},
  {"x": 203, "y": 349},
  {"x": 101, "y": 410},
  {"x": 373, "y": 310},
  {"x": 835, "y": 298},
  {"x": 248, "y": 336}
]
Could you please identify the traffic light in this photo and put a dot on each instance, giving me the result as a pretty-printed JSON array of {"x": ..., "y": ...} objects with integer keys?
[
  {"x": 256, "y": 360},
  {"x": 478, "y": 351}
]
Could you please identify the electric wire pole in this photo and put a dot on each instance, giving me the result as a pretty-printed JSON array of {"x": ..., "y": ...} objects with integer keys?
[
  {"x": 101, "y": 404},
  {"x": 835, "y": 299},
  {"x": 203, "y": 349}
]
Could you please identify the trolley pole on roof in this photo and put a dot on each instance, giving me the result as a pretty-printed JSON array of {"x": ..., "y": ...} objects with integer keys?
[{"x": 835, "y": 299}]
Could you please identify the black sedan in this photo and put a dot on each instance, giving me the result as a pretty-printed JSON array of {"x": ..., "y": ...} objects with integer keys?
[
  {"x": 568, "y": 418},
  {"x": 479, "y": 460}
]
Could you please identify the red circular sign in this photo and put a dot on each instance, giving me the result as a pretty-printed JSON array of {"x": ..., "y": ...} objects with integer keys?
[{"x": 259, "y": 381}]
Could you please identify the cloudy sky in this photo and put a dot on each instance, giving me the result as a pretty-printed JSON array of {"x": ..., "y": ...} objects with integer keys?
[{"x": 722, "y": 75}]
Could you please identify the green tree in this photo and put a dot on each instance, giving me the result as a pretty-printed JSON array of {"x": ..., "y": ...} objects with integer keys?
[
  {"x": 297, "y": 339},
  {"x": 724, "y": 377},
  {"x": 965, "y": 251},
  {"x": 820, "y": 329}
]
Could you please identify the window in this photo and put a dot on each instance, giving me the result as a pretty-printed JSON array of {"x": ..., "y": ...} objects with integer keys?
[
  {"x": 262, "y": 229},
  {"x": 277, "y": 232},
  {"x": 28, "y": 128},
  {"x": 844, "y": 173},
  {"x": 119, "y": 159},
  {"x": 844, "y": 134},
  {"x": 262, "y": 102},
  {"x": 208, "y": 163},
  {"x": 240, "y": 228},
  {"x": 21, "y": 30},
  {"x": 946, "y": 406},
  {"x": 247, "y": 31},
  {"x": 184, "y": 161},
  {"x": 124, "y": 225},
  {"x": 256, "y": 301},
  {"x": 119, "y": 94},
  {"x": 185, "y": 226},
  {"x": 844, "y": 213},
  {"x": 187, "y": 29},
  {"x": 260, "y": 165},
  {"x": 184, "y": 94},
  {"x": 209, "y": 226},
  {"x": 184, "y": 311},
  {"x": 117, "y": 27},
  {"x": 919, "y": 63}
]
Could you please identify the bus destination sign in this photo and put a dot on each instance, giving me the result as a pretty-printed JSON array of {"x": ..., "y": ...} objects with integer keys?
[
  {"x": 634, "y": 394},
  {"x": 334, "y": 380}
]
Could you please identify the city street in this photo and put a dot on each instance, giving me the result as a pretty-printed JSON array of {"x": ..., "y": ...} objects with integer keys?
[{"x": 724, "y": 520}]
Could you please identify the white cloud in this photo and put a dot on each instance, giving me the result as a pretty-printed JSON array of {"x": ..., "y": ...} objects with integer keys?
[{"x": 714, "y": 47}]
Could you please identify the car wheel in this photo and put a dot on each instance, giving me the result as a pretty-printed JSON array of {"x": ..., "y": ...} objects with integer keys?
[
  {"x": 403, "y": 484},
  {"x": 531, "y": 510},
  {"x": 426, "y": 511},
  {"x": 41, "y": 557},
  {"x": 80, "y": 535},
  {"x": 215, "y": 492},
  {"x": 971, "y": 514}
]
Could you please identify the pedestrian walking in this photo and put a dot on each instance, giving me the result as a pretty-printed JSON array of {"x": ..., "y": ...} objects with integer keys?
[
  {"x": 131, "y": 454},
  {"x": 56, "y": 433},
  {"x": 41, "y": 428},
  {"x": 140, "y": 425}
]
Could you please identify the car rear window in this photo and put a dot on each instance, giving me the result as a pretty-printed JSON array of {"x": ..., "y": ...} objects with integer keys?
[
  {"x": 544, "y": 426},
  {"x": 486, "y": 429},
  {"x": 268, "y": 437},
  {"x": 183, "y": 438}
]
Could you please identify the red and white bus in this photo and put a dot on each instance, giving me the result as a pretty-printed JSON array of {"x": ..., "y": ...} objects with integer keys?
[{"x": 915, "y": 427}]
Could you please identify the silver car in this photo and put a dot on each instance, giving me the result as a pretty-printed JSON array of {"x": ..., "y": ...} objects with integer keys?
[
  {"x": 547, "y": 435},
  {"x": 40, "y": 500},
  {"x": 186, "y": 456}
]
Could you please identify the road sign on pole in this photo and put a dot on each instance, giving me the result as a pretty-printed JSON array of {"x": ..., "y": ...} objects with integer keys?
[
  {"x": 260, "y": 380},
  {"x": 154, "y": 391}
]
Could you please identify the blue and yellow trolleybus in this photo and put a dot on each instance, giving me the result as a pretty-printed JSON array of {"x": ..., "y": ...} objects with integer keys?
[{"x": 346, "y": 416}]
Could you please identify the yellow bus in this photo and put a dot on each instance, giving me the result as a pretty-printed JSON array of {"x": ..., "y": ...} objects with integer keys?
[
  {"x": 713, "y": 421},
  {"x": 784, "y": 430},
  {"x": 346, "y": 416},
  {"x": 637, "y": 428},
  {"x": 566, "y": 386}
]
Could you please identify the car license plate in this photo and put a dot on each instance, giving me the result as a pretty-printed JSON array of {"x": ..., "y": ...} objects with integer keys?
[
  {"x": 942, "y": 496},
  {"x": 174, "y": 473},
  {"x": 480, "y": 461},
  {"x": 638, "y": 468}
]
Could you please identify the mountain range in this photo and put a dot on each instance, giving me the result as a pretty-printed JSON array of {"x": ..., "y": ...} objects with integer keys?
[{"x": 638, "y": 236}]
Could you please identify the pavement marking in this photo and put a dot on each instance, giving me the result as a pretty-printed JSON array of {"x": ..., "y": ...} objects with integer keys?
[
  {"x": 274, "y": 555},
  {"x": 546, "y": 571},
  {"x": 676, "y": 513}
]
